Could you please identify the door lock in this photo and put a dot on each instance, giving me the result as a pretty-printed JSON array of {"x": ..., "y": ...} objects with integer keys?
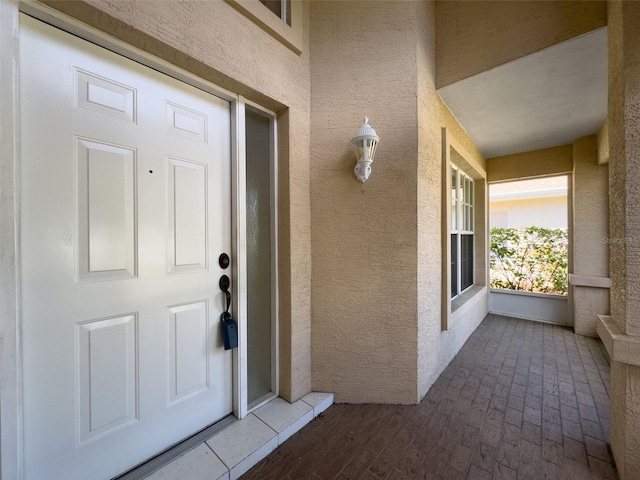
[{"x": 223, "y": 261}]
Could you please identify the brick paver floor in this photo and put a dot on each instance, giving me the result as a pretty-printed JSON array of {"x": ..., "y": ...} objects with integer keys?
[{"x": 521, "y": 400}]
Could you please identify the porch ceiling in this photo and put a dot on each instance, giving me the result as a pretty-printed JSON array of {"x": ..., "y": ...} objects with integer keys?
[{"x": 545, "y": 99}]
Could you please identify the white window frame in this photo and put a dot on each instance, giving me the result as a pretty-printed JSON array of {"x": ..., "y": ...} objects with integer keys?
[
  {"x": 241, "y": 238},
  {"x": 463, "y": 204},
  {"x": 455, "y": 153}
]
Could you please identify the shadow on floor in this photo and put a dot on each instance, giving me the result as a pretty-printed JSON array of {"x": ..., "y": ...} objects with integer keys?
[{"x": 521, "y": 400}]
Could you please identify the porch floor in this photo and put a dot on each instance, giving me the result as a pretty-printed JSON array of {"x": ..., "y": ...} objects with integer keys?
[{"x": 521, "y": 400}]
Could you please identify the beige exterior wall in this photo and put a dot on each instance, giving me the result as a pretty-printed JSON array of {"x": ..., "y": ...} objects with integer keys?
[
  {"x": 603, "y": 143},
  {"x": 437, "y": 347},
  {"x": 537, "y": 163},
  {"x": 219, "y": 44},
  {"x": 473, "y": 37},
  {"x": 624, "y": 210},
  {"x": 364, "y": 239},
  {"x": 590, "y": 234},
  {"x": 429, "y": 190},
  {"x": 547, "y": 212},
  {"x": 375, "y": 293},
  {"x": 625, "y": 419}
]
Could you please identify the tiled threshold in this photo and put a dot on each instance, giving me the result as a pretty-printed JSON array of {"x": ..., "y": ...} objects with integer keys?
[{"x": 237, "y": 448}]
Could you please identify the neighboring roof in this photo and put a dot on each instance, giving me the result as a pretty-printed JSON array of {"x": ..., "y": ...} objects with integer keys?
[{"x": 535, "y": 188}]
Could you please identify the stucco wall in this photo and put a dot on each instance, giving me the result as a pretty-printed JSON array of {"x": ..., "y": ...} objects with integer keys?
[
  {"x": 217, "y": 43},
  {"x": 537, "y": 163},
  {"x": 429, "y": 181},
  {"x": 364, "y": 238},
  {"x": 617, "y": 164},
  {"x": 376, "y": 246},
  {"x": 624, "y": 158},
  {"x": 590, "y": 234},
  {"x": 476, "y": 36},
  {"x": 624, "y": 210},
  {"x": 603, "y": 142},
  {"x": 590, "y": 210},
  {"x": 436, "y": 348}
]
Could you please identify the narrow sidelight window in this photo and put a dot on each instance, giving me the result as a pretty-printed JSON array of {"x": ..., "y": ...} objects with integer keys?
[{"x": 261, "y": 311}]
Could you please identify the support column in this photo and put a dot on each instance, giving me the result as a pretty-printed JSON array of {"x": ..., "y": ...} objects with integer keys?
[
  {"x": 621, "y": 331},
  {"x": 589, "y": 279}
]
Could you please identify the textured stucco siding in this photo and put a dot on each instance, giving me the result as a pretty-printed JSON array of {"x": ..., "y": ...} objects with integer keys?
[
  {"x": 617, "y": 164},
  {"x": 476, "y": 36},
  {"x": 448, "y": 120},
  {"x": 590, "y": 210},
  {"x": 219, "y": 44},
  {"x": 590, "y": 233},
  {"x": 436, "y": 348},
  {"x": 429, "y": 260},
  {"x": 625, "y": 419},
  {"x": 364, "y": 240},
  {"x": 624, "y": 211},
  {"x": 603, "y": 142},
  {"x": 537, "y": 163},
  {"x": 376, "y": 281},
  {"x": 588, "y": 303}
]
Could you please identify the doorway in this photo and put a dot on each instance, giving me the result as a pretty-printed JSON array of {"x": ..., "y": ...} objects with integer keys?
[{"x": 128, "y": 193}]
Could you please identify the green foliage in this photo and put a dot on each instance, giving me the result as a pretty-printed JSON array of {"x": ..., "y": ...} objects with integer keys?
[{"x": 531, "y": 259}]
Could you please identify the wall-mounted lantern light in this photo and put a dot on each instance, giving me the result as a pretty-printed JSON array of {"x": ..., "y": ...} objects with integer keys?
[{"x": 365, "y": 143}]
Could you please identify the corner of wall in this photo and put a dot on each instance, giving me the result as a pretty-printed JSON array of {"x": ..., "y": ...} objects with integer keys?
[
  {"x": 603, "y": 142},
  {"x": 437, "y": 347}
]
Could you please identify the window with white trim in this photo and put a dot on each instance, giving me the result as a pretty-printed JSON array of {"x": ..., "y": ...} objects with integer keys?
[
  {"x": 462, "y": 231},
  {"x": 282, "y": 19},
  {"x": 280, "y": 8}
]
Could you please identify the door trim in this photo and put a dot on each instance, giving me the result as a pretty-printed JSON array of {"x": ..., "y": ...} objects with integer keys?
[
  {"x": 11, "y": 460},
  {"x": 11, "y": 370}
]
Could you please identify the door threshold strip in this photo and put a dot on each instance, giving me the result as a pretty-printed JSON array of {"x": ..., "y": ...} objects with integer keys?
[{"x": 156, "y": 463}]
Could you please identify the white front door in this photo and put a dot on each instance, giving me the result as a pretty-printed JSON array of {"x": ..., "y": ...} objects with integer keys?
[{"x": 125, "y": 209}]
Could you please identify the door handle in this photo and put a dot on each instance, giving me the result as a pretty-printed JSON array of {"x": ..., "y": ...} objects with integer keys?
[
  {"x": 225, "y": 283},
  {"x": 227, "y": 323}
]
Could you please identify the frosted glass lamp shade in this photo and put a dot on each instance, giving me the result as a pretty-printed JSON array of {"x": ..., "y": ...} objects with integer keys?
[{"x": 364, "y": 143}]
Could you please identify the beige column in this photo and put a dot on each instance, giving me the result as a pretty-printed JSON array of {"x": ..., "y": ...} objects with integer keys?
[
  {"x": 364, "y": 235},
  {"x": 620, "y": 332},
  {"x": 589, "y": 280}
]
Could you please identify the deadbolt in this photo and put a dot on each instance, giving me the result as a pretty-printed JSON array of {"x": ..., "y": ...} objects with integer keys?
[{"x": 223, "y": 260}]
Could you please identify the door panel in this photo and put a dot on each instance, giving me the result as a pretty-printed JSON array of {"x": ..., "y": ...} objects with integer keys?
[
  {"x": 188, "y": 325},
  {"x": 106, "y": 368},
  {"x": 125, "y": 196},
  {"x": 106, "y": 210},
  {"x": 187, "y": 216}
]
